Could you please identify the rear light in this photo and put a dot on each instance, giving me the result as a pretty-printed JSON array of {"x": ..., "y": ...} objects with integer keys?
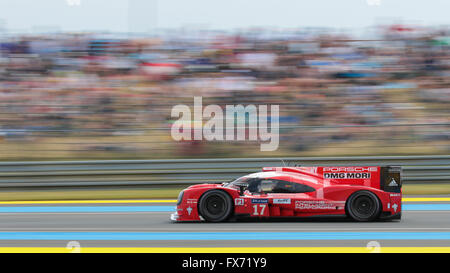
[{"x": 180, "y": 197}]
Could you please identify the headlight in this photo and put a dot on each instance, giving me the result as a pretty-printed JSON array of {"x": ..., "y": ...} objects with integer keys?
[{"x": 180, "y": 197}]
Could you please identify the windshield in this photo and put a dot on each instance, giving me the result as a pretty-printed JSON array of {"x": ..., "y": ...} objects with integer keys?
[
  {"x": 239, "y": 181},
  {"x": 249, "y": 183},
  {"x": 256, "y": 184},
  {"x": 250, "y": 179}
]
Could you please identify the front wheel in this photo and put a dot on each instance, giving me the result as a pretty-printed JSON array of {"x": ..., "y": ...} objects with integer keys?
[
  {"x": 363, "y": 206},
  {"x": 215, "y": 206}
]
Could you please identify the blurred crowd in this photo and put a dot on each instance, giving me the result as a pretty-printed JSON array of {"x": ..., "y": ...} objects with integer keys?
[{"x": 82, "y": 94}]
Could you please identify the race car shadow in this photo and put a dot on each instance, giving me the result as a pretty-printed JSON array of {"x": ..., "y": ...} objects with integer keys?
[
  {"x": 292, "y": 219},
  {"x": 318, "y": 219},
  {"x": 310, "y": 219},
  {"x": 330, "y": 219}
]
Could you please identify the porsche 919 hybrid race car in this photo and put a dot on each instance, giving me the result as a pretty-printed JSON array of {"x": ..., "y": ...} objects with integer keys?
[{"x": 361, "y": 193}]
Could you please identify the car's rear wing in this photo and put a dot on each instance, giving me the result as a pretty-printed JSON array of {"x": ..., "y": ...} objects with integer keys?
[
  {"x": 391, "y": 178},
  {"x": 386, "y": 178}
]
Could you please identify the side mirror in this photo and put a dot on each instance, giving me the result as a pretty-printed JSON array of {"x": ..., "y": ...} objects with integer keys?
[{"x": 242, "y": 188}]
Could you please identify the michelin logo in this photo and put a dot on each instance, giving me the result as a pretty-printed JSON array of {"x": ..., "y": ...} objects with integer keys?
[
  {"x": 346, "y": 175},
  {"x": 260, "y": 201}
]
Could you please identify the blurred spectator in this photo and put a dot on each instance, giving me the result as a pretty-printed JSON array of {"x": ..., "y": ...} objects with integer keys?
[{"x": 78, "y": 95}]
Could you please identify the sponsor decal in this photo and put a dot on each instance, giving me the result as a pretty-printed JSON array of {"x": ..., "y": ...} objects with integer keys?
[
  {"x": 394, "y": 194},
  {"x": 350, "y": 169},
  {"x": 314, "y": 205},
  {"x": 395, "y": 206},
  {"x": 281, "y": 200},
  {"x": 239, "y": 201},
  {"x": 393, "y": 183},
  {"x": 346, "y": 175},
  {"x": 260, "y": 201},
  {"x": 191, "y": 201}
]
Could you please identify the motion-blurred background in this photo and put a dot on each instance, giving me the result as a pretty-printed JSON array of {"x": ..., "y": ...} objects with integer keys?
[{"x": 97, "y": 80}]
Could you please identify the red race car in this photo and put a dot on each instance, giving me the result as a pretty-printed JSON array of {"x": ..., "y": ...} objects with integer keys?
[{"x": 363, "y": 193}]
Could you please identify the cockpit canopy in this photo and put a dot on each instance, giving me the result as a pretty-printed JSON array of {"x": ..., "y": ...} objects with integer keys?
[{"x": 271, "y": 182}]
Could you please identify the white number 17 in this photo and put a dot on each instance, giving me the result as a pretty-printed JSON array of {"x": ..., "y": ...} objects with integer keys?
[{"x": 261, "y": 206}]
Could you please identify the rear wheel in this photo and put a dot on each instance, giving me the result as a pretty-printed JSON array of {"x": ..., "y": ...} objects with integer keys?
[
  {"x": 363, "y": 206},
  {"x": 215, "y": 206}
]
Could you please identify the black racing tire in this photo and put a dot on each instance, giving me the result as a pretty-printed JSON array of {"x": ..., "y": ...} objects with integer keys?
[
  {"x": 363, "y": 206},
  {"x": 215, "y": 206}
]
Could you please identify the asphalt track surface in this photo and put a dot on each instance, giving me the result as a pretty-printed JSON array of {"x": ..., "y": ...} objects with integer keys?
[{"x": 144, "y": 226}]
